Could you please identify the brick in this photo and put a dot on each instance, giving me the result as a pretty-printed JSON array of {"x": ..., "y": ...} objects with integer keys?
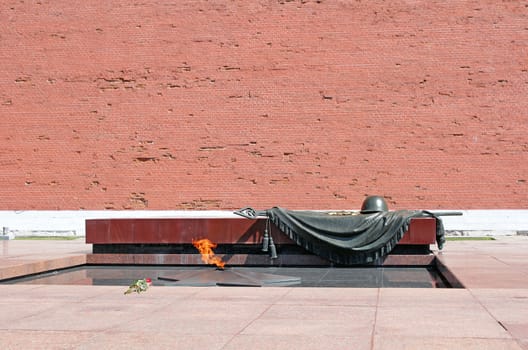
[{"x": 301, "y": 104}]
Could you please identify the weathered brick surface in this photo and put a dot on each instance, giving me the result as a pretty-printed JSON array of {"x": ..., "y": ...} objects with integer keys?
[{"x": 302, "y": 104}]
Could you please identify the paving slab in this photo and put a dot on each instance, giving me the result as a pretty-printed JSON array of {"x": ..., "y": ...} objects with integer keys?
[
  {"x": 489, "y": 264},
  {"x": 439, "y": 321},
  {"x": 305, "y": 342},
  {"x": 330, "y": 296},
  {"x": 389, "y": 342},
  {"x": 491, "y": 313}
]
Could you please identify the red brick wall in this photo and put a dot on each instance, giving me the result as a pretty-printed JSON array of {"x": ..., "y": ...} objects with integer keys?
[{"x": 225, "y": 104}]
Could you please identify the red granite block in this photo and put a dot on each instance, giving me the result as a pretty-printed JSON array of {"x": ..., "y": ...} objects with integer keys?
[
  {"x": 147, "y": 231},
  {"x": 120, "y": 231},
  {"x": 176, "y": 228},
  {"x": 405, "y": 259},
  {"x": 97, "y": 230},
  {"x": 218, "y": 230},
  {"x": 421, "y": 231}
]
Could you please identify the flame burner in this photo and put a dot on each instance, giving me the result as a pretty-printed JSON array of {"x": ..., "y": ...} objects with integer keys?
[
  {"x": 229, "y": 277},
  {"x": 222, "y": 277}
]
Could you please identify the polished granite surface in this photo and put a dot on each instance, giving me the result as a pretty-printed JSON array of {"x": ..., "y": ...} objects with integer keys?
[{"x": 356, "y": 277}]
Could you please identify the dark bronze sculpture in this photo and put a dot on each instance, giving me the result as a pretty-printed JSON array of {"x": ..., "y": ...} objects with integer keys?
[
  {"x": 374, "y": 204},
  {"x": 347, "y": 237}
]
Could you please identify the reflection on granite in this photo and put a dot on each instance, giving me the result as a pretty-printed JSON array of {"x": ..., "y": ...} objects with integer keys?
[{"x": 356, "y": 277}]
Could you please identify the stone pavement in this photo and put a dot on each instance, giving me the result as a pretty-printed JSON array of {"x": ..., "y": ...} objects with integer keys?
[{"x": 491, "y": 313}]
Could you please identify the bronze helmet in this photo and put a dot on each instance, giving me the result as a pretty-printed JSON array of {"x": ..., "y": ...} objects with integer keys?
[{"x": 374, "y": 204}]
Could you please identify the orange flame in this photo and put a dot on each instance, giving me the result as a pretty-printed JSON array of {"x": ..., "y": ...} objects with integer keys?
[{"x": 205, "y": 247}]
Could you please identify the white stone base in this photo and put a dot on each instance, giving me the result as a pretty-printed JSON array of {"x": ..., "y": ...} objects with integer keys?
[
  {"x": 72, "y": 222},
  {"x": 481, "y": 233}
]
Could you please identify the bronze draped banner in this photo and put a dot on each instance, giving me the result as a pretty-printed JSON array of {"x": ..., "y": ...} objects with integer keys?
[{"x": 348, "y": 239}]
